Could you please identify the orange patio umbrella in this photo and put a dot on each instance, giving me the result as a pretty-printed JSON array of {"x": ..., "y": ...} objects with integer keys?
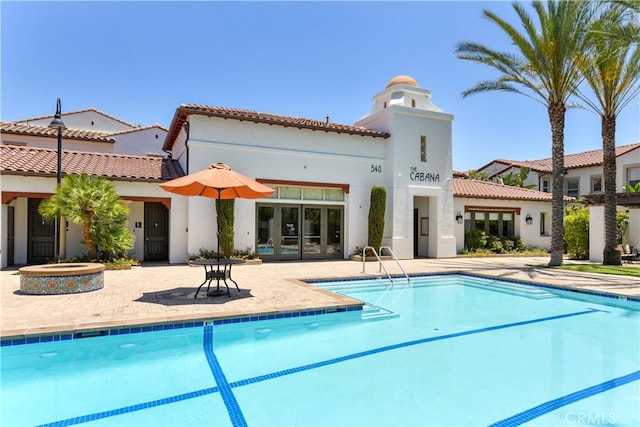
[{"x": 219, "y": 181}]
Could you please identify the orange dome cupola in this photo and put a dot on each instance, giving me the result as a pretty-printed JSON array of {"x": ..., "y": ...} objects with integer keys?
[{"x": 402, "y": 80}]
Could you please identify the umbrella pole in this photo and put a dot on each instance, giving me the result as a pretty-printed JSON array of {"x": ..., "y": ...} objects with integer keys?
[{"x": 218, "y": 228}]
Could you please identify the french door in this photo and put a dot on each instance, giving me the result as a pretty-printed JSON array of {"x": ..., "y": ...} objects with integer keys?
[{"x": 288, "y": 232}]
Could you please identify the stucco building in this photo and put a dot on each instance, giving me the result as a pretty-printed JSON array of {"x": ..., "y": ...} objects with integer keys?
[{"x": 322, "y": 171}]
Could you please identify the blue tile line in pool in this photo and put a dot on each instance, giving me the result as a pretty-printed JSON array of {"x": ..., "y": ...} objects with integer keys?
[
  {"x": 552, "y": 405},
  {"x": 237, "y": 418},
  {"x": 233, "y": 408}
]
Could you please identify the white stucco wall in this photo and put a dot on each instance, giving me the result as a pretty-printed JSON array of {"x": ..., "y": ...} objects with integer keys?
[
  {"x": 408, "y": 178},
  {"x": 72, "y": 236},
  {"x": 282, "y": 153},
  {"x": 140, "y": 142}
]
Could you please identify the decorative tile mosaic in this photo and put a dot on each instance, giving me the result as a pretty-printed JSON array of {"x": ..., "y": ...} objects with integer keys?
[{"x": 62, "y": 284}]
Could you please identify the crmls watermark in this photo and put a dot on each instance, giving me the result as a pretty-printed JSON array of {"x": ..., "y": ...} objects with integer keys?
[{"x": 590, "y": 418}]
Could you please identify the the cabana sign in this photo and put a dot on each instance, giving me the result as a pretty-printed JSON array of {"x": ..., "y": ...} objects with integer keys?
[{"x": 415, "y": 175}]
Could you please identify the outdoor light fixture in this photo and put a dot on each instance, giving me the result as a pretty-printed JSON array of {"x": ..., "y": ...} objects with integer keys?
[
  {"x": 529, "y": 219},
  {"x": 459, "y": 218},
  {"x": 57, "y": 123}
]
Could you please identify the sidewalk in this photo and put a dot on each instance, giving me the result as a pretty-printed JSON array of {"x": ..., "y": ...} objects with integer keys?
[{"x": 157, "y": 294}]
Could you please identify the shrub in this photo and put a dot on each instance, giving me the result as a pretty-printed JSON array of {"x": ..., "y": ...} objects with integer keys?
[
  {"x": 622, "y": 225},
  {"x": 225, "y": 213},
  {"x": 475, "y": 239},
  {"x": 576, "y": 232},
  {"x": 377, "y": 209}
]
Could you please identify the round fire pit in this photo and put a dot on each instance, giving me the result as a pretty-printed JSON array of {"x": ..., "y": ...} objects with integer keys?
[{"x": 66, "y": 278}]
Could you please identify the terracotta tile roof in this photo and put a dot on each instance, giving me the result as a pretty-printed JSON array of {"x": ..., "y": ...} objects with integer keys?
[
  {"x": 21, "y": 160},
  {"x": 571, "y": 161},
  {"x": 68, "y": 113},
  {"x": 249, "y": 115},
  {"x": 476, "y": 189},
  {"x": 23, "y": 129},
  {"x": 153, "y": 126}
]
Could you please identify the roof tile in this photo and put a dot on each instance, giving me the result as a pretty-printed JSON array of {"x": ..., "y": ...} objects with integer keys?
[
  {"x": 249, "y": 115},
  {"x": 23, "y": 129},
  {"x": 571, "y": 161},
  {"x": 490, "y": 190},
  {"x": 43, "y": 161}
]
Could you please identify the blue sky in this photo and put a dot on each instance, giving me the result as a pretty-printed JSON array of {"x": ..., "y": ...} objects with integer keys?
[{"x": 140, "y": 60}]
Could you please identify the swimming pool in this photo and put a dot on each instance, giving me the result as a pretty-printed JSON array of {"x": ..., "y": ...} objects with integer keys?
[{"x": 446, "y": 350}]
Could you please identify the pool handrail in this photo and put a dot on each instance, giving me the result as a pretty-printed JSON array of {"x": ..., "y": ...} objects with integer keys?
[
  {"x": 396, "y": 260},
  {"x": 381, "y": 267}
]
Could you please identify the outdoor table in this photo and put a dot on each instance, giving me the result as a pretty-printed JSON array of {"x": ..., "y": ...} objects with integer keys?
[{"x": 216, "y": 274}]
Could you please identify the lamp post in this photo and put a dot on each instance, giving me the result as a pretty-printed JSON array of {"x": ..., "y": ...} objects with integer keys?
[{"x": 57, "y": 123}]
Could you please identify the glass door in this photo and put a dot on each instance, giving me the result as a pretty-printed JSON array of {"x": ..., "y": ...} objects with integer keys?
[
  {"x": 334, "y": 232},
  {"x": 266, "y": 231},
  {"x": 289, "y": 232},
  {"x": 312, "y": 238}
]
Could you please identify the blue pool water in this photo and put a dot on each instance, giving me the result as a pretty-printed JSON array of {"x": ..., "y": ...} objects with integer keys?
[{"x": 447, "y": 350}]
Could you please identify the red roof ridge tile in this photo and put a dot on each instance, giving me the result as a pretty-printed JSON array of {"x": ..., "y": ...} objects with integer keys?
[
  {"x": 37, "y": 130},
  {"x": 84, "y": 110},
  {"x": 184, "y": 110}
]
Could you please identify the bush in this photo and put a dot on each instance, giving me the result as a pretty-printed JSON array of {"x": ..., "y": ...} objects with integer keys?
[
  {"x": 475, "y": 239},
  {"x": 576, "y": 232},
  {"x": 377, "y": 209},
  {"x": 622, "y": 225},
  {"x": 225, "y": 216}
]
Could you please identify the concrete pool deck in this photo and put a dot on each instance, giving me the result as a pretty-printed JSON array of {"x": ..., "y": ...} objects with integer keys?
[{"x": 163, "y": 293}]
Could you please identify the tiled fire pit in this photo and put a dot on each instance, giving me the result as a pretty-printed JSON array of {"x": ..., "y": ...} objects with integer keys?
[{"x": 66, "y": 278}]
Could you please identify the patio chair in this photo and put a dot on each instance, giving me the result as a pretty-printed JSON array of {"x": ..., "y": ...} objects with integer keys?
[{"x": 629, "y": 254}]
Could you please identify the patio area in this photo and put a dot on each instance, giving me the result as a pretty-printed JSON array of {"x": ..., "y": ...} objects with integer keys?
[{"x": 162, "y": 293}]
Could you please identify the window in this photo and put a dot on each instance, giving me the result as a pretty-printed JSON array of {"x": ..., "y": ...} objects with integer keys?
[
  {"x": 596, "y": 184},
  {"x": 498, "y": 224},
  {"x": 312, "y": 193},
  {"x": 572, "y": 187},
  {"x": 413, "y": 103},
  {"x": 290, "y": 192},
  {"x": 423, "y": 148},
  {"x": 544, "y": 224},
  {"x": 308, "y": 193},
  {"x": 545, "y": 185},
  {"x": 334, "y": 194},
  {"x": 633, "y": 175}
]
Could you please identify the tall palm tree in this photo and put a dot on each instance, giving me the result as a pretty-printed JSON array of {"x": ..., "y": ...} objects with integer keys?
[
  {"x": 630, "y": 32},
  {"x": 612, "y": 72},
  {"x": 543, "y": 67}
]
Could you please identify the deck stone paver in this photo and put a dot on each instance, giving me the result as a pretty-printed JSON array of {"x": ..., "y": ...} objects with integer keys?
[{"x": 161, "y": 293}]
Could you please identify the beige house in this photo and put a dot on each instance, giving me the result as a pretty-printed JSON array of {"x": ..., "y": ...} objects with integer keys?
[{"x": 584, "y": 180}]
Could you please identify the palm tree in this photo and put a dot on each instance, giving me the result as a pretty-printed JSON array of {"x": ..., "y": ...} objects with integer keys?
[
  {"x": 545, "y": 68},
  {"x": 631, "y": 31},
  {"x": 612, "y": 72},
  {"x": 93, "y": 202}
]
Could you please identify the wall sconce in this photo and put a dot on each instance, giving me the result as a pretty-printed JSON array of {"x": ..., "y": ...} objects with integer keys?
[
  {"x": 459, "y": 218},
  {"x": 529, "y": 219}
]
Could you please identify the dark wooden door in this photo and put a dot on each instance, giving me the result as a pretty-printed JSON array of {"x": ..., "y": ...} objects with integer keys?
[
  {"x": 10, "y": 235},
  {"x": 156, "y": 232},
  {"x": 416, "y": 234},
  {"x": 40, "y": 236}
]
